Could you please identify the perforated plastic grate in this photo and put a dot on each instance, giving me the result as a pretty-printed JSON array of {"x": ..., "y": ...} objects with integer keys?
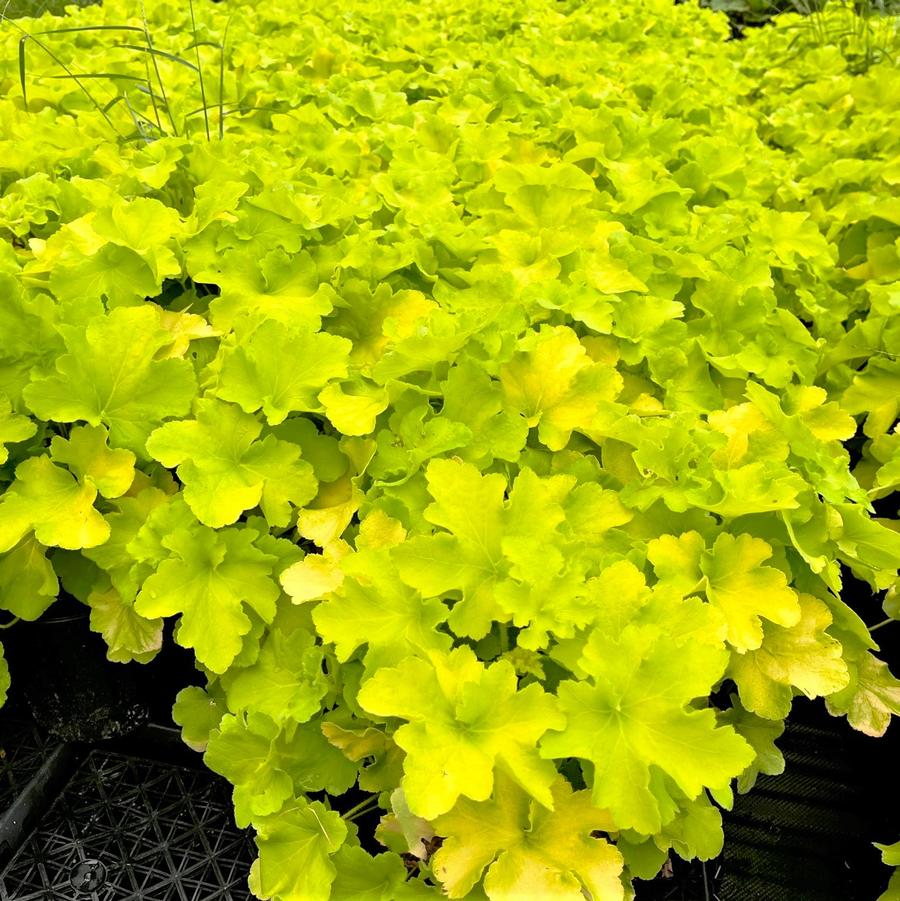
[
  {"x": 22, "y": 751},
  {"x": 126, "y": 829}
]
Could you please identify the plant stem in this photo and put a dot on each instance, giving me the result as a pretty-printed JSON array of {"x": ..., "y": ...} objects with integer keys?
[
  {"x": 363, "y": 807},
  {"x": 11, "y": 623},
  {"x": 504, "y": 637},
  {"x": 884, "y": 622}
]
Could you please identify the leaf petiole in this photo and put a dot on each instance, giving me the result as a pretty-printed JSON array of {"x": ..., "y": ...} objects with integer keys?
[{"x": 364, "y": 806}]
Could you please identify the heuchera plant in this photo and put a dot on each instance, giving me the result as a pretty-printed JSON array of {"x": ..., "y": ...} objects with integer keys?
[{"x": 473, "y": 383}]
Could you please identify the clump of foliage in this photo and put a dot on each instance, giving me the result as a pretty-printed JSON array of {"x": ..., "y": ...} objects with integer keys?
[
  {"x": 865, "y": 30},
  {"x": 473, "y": 383},
  {"x": 18, "y": 9}
]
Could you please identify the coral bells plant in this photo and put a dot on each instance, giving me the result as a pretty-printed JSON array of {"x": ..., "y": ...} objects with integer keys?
[{"x": 496, "y": 396}]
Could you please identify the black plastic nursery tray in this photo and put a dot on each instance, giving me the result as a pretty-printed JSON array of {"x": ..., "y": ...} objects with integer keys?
[
  {"x": 139, "y": 819},
  {"x": 127, "y": 821}
]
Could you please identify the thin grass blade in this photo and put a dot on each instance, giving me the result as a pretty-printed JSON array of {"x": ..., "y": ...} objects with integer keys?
[
  {"x": 161, "y": 53},
  {"x": 22, "y": 69},
  {"x": 26, "y": 36},
  {"x": 222, "y": 80},
  {"x": 149, "y": 90},
  {"x": 159, "y": 79},
  {"x": 110, "y": 75},
  {"x": 74, "y": 29},
  {"x": 200, "y": 70}
]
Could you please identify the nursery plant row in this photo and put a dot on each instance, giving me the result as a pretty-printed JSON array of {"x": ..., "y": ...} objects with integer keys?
[{"x": 493, "y": 393}]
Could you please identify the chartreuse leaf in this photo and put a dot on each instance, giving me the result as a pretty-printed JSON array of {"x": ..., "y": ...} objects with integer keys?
[
  {"x": 198, "y": 713},
  {"x": 676, "y": 561},
  {"x": 281, "y": 370},
  {"x": 547, "y": 601},
  {"x": 207, "y": 578},
  {"x": 13, "y": 427},
  {"x": 286, "y": 682},
  {"x": 362, "y": 877},
  {"x": 145, "y": 226},
  {"x": 28, "y": 584},
  {"x": 226, "y": 469},
  {"x": 402, "y": 831},
  {"x": 875, "y": 391},
  {"x": 467, "y": 557},
  {"x": 147, "y": 541},
  {"x": 890, "y": 856},
  {"x": 632, "y": 719},
  {"x": 127, "y": 567},
  {"x": 372, "y": 606},
  {"x": 549, "y": 593},
  {"x": 464, "y": 721},
  {"x": 330, "y": 513},
  {"x": 733, "y": 579},
  {"x": 321, "y": 450},
  {"x": 473, "y": 399},
  {"x": 242, "y": 749},
  {"x": 314, "y": 763},
  {"x": 316, "y": 575},
  {"x": 268, "y": 766},
  {"x": 110, "y": 375},
  {"x": 762, "y": 735},
  {"x": 121, "y": 251},
  {"x": 87, "y": 454},
  {"x": 375, "y": 318},
  {"x": 128, "y": 635},
  {"x": 802, "y": 657},
  {"x": 885, "y": 461},
  {"x": 47, "y": 500},
  {"x": 695, "y": 831},
  {"x": 643, "y": 857},
  {"x": 380, "y": 760},
  {"x": 555, "y": 386},
  {"x": 745, "y": 591},
  {"x": 791, "y": 236},
  {"x": 295, "y": 853},
  {"x": 414, "y": 436},
  {"x": 870, "y": 548},
  {"x": 621, "y": 597},
  {"x": 812, "y": 428},
  {"x": 183, "y": 328},
  {"x": 526, "y": 852},
  {"x": 502, "y": 556},
  {"x": 353, "y": 406},
  {"x": 871, "y": 697},
  {"x": 273, "y": 285},
  {"x": 4, "y": 677}
]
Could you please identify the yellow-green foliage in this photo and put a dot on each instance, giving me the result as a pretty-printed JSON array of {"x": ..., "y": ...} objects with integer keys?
[{"x": 473, "y": 381}]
